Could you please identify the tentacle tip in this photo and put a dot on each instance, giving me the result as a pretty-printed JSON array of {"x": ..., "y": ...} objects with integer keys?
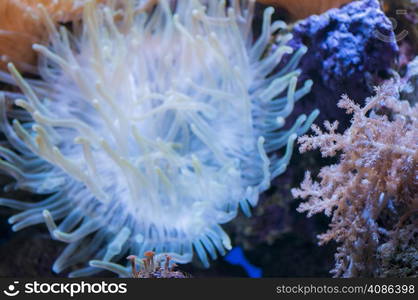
[
  {"x": 315, "y": 113},
  {"x": 270, "y": 10},
  {"x": 280, "y": 121},
  {"x": 46, "y": 214},
  {"x": 11, "y": 67},
  {"x": 95, "y": 263},
  {"x": 303, "y": 49},
  {"x": 36, "y": 47},
  {"x": 227, "y": 245},
  {"x": 56, "y": 269},
  {"x": 293, "y": 137}
]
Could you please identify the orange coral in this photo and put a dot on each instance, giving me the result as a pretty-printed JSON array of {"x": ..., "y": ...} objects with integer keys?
[
  {"x": 300, "y": 9},
  {"x": 19, "y": 29},
  {"x": 22, "y": 25},
  {"x": 372, "y": 193}
]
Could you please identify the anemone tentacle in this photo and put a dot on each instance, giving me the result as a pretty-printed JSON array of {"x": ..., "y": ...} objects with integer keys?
[{"x": 147, "y": 132}]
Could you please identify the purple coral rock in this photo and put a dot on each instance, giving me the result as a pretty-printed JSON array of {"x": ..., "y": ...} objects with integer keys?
[{"x": 349, "y": 49}]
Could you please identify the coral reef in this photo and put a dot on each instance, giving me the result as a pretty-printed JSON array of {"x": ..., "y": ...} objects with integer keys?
[
  {"x": 138, "y": 147},
  {"x": 349, "y": 49},
  {"x": 372, "y": 193}
]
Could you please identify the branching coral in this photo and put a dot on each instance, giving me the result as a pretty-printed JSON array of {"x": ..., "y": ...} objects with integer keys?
[
  {"x": 148, "y": 132},
  {"x": 372, "y": 193}
]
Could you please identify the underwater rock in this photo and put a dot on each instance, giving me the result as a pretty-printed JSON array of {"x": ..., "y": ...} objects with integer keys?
[
  {"x": 349, "y": 50},
  {"x": 28, "y": 254},
  {"x": 399, "y": 256}
]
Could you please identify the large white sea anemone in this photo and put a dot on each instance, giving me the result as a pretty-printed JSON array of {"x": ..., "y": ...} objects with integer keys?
[{"x": 146, "y": 132}]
